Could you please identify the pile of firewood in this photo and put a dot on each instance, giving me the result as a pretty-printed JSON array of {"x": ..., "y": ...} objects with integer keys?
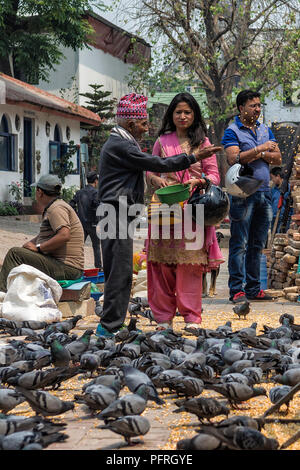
[{"x": 282, "y": 264}]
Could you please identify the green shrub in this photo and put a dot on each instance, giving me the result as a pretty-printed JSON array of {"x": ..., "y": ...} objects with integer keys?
[
  {"x": 8, "y": 209},
  {"x": 68, "y": 193}
]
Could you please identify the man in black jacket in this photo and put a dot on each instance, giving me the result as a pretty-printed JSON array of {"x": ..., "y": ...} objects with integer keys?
[
  {"x": 121, "y": 177},
  {"x": 85, "y": 203}
]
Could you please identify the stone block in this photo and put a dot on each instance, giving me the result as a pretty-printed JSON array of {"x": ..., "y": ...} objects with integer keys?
[
  {"x": 292, "y": 297},
  {"x": 71, "y": 309}
]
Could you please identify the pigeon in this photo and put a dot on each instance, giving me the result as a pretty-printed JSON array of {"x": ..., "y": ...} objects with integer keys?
[
  {"x": 127, "y": 405},
  {"x": 8, "y": 354},
  {"x": 290, "y": 377},
  {"x": 98, "y": 309},
  {"x": 7, "y": 372},
  {"x": 128, "y": 331},
  {"x": 225, "y": 329},
  {"x": 78, "y": 347},
  {"x": 12, "y": 423},
  {"x": 44, "y": 403},
  {"x": 278, "y": 392},
  {"x": 203, "y": 408},
  {"x": 200, "y": 442},
  {"x": 242, "y": 309},
  {"x": 235, "y": 377},
  {"x": 161, "y": 379},
  {"x": 21, "y": 332},
  {"x": 9, "y": 399},
  {"x": 231, "y": 355},
  {"x": 235, "y": 392},
  {"x": 135, "y": 379},
  {"x": 241, "y": 420},
  {"x": 35, "y": 379},
  {"x": 67, "y": 325},
  {"x": 90, "y": 362},
  {"x": 187, "y": 386},
  {"x": 21, "y": 440},
  {"x": 13, "y": 324},
  {"x": 254, "y": 374},
  {"x": 149, "y": 315},
  {"x": 244, "y": 438},
  {"x": 128, "y": 427},
  {"x": 23, "y": 366},
  {"x": 98, "y": 397},
  {"x": 60, "y": 356},
  {"x": 249, "y": 331}
]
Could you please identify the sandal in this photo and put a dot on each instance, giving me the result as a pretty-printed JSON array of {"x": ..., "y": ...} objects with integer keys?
[
  {"x": 192, "y": 328},
  {"x": 164, "y": 326}
]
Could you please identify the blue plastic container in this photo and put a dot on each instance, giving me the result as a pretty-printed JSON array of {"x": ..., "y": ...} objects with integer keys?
[
  {"x": 96, "y": 279},
  {"x": 96, "y": 295},
  {"x": 263, "y": 273}
]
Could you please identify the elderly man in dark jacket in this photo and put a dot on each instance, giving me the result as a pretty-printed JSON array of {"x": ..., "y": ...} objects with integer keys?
[
  {"x": 121, "y": 185},
  {"x": 85, "y": 203}
]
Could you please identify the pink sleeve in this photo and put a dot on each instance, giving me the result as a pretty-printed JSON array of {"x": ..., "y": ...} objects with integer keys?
[
  {"x": 155, "y": 151},
  {"x": 210, "y": 166}
]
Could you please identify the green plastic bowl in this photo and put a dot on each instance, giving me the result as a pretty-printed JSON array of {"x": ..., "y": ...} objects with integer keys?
[{"x": 174, "y": 193}]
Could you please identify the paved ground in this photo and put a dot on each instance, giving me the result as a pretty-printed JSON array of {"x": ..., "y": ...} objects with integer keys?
[{"x": 166, "y": 427}]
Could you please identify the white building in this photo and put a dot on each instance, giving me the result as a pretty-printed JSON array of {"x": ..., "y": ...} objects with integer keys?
[
  {"x": 36, "y": 128},
  {"x": 108, "y": 62}
]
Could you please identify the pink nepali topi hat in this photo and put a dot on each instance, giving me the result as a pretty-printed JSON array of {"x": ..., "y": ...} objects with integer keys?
[{"x": 132, "y": 106}]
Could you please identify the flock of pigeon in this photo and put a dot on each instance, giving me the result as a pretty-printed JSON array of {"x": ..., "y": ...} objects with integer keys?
[{"x": 154, "y": 366}]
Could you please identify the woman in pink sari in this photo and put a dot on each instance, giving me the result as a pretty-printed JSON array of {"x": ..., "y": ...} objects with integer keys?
[{"x": 175, "y": 273}]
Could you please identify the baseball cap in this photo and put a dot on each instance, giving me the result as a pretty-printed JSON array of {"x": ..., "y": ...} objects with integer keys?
[{"x": 50, "y": 183}]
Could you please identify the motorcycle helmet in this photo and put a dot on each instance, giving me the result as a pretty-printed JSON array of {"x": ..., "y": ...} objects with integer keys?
[
  {"x": 215, "y": 201},
  {"x": 239, "y": 181}
]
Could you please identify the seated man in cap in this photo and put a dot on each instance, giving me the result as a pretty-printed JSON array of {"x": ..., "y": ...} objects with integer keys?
[
  {"x": 58, "y": 249},
  {"x": 121, "y": 177},
  {"x": 85, "y": 203}
]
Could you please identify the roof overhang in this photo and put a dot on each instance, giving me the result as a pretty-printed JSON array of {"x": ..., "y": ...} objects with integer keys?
[
  {"x": 16, "y": 92},
  {"x": 116, "y": 41}
]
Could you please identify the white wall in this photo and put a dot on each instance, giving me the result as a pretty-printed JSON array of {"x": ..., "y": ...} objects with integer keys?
[
  {"x": 96, "y": 66},
  {"x": 84, "y": 67},
  {"x": 63, "y": 80},
  {"x": 276, "y": 111},
  {"x": 40, "y": 142}
]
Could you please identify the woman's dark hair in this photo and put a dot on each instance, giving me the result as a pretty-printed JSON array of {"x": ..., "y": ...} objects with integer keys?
[{"x": 197, "y": 131}]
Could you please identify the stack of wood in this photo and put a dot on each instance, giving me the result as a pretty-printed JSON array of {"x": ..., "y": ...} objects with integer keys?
[{"x": 283, "y": 275}]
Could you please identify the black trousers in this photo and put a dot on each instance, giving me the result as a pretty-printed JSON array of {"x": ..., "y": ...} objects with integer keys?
[
  {"x": 118, "y": 267},
  {"x": 90, "y": 230}
]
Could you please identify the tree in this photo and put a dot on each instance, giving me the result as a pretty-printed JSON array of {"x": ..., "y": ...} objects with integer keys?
[
  {"x": 32, "y": 34},
  {"x": 97, "y": 135},
  {"x": 228, "y": 44}
]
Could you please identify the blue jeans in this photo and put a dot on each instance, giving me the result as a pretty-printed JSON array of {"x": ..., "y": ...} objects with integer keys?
[{"x": 250, "y": 220}]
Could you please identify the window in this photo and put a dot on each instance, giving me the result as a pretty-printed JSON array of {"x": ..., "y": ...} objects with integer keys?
[
  {"x": 57, "y": 149},
  {"x": 7, "y": 147}
]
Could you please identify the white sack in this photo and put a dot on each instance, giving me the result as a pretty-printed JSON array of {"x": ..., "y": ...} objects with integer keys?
[{"x": 31, "y": 295}]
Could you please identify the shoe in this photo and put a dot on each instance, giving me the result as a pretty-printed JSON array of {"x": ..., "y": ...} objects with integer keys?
[
  {"x": 101, "y": 331},
  {"x": 238, "y": 297},
  {"x": 261, "y": 296}
]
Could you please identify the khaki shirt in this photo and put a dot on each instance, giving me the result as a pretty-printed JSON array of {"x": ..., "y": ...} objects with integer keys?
[{"x": 58, "y": 215}]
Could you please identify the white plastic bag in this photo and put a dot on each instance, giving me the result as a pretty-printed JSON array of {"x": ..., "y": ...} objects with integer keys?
[
  {"x": 140, "y": 286},
  {"x": 31, "y": 295}
]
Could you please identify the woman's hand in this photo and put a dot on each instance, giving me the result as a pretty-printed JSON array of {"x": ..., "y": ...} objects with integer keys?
[
  {"x": 158, "y": 182},
  {"x": 196, "y": 182},
  {"x": 206, "y": 152}
]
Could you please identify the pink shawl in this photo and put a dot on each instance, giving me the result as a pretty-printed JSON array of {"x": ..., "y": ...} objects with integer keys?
[{"x": 209, "y": 167}]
